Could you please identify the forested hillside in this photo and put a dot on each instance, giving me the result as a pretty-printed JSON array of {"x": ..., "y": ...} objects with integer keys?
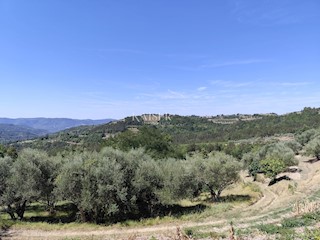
[
  {"x": 180, "y": 129},
  {"x": 10, "y": 132}
]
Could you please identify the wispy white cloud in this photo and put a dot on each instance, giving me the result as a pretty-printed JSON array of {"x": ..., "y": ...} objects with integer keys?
[
  {"x": 231, "y": 84},
  {"x": 270, "y": 13},
  {"x": 221, "y": 64},
  {"x": 293, "y": 84},
  {"x": 166, "y": 95},
  {"x": 200, "y": 89},
  {"x": 234, "y": 63}
]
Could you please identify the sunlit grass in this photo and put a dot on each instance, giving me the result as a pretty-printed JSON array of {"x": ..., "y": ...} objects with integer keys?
[{"x": 199, "y": 209}]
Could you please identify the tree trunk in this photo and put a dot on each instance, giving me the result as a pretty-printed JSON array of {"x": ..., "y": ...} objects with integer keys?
[
  {"x": 10, "y": 211},
  {"x": 21, "y": 209},
  {"x": 215, "y": 195},
  {"x": 50, "y": 206},
  {"x": 83, "y": 215}
]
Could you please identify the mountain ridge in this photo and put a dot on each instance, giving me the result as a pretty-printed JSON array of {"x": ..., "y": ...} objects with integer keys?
[
  {"x": 11, "y": 132},
  {"x": 19, "y": 129},
  {"x": 52, "y": 125}
]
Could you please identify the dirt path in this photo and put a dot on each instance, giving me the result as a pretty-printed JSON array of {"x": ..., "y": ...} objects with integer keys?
[{"x": 274, "y": 198}]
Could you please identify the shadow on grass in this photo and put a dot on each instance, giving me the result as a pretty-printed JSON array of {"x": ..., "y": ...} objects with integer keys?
[
  {"x": 274, "y": 181},
  {"x": 235, "y": 198},
  {"x": 312, "y": 160},
  {"x": 68, "y": 213},
  {"x": 176, "y": 210},
  {"x": 65, "y": 213}
]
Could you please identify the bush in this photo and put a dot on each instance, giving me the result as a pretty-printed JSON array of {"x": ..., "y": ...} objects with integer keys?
[
  {"x": 272, "y": 167},
  {"x": 307, "y": 136},
  {"x": 313, "y": 148},
  {"x": 294, "y": 145},
  {"x": 279, "y": 154}
]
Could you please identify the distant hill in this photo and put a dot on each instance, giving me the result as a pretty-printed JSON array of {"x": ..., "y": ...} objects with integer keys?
[
  {"x": 182, "y": 129},
  {"x": 10, "y": 132},
  {"x": 52, "y": 125}
]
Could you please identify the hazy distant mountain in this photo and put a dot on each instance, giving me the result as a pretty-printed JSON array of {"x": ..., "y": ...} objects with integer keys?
[
  {"x": 52, "y": 125},
  {"x": 10, "y": 132}
]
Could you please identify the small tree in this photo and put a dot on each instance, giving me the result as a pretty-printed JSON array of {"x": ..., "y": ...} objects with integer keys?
[
  {"x": 5, "y": 166},
  {"x": 272, "y": 167},
  {"x": 30, "y": 178},
  {"x": 179, "y": 180},
  {"x": 217, "y": 172},
  {"x": 313, "y": 148},
  {"x": 307, "y": 136},
  {"x": 294, "y": 145},
  {"x": 279, "y": 151},
  {"x": 148, "y": 183}
]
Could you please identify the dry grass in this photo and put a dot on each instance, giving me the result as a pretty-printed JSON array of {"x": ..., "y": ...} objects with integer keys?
[{"x": 303, "y": 207}]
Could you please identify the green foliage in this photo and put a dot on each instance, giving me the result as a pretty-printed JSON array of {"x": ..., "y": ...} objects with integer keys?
[
  {"x": 178, "y": 180},
  {"x": 180, "y": 130},
  {"x": 111, "y": 185},
  {"x": 197, "y": 129},
  {"x": 278, "y": 151},
  {"x": 307, "y": 136},
  {"x": 8, "y": 151},
  {"x": 5, "y": 166},
  {"x": 237, "y": 150},
  {"x": 313, "y": 147},
  {"x": 12, "y": 133},
  {"x": 294, "y": 145},
  {"x": 273, "y": 229},
  {"x": 29, "y": 178},
  {"x": 286, "y": 228},
  {"x": 272, "y": 167},
  {"x": 215, "y": 172},
  {"x": 2, "y": 151},
  {"x": 271, "y": 159},
  {"x": 156, "y": 143}
]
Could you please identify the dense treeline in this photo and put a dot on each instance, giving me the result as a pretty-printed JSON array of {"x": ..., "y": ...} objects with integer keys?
[
  {"x": 111, "y": 185},
  {"x": 196, "y": 129}
]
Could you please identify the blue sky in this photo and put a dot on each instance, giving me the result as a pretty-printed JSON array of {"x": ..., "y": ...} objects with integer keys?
[{"x": 114, "y": 58}]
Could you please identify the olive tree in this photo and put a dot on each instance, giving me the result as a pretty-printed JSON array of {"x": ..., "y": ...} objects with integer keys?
[
  {"x": 294, "y": 145},
  {"x": 5, "y": 166},
  {"x": 111, "y": 185},
  {"x": 313, "y": 148},
  {"x": 276, "y": 151},
  {"x": 216, "y": 172},
  {"x": 178, "y": 180},
  {"x": 307, "y": 136},
  {"x": 30, "y": 178},
  {"x": 272, "y": 167}
]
